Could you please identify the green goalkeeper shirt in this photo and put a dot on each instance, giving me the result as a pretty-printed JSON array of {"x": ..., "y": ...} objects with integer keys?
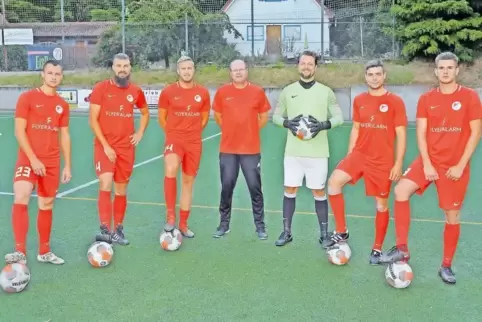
[{"x": 318, "y": 101}]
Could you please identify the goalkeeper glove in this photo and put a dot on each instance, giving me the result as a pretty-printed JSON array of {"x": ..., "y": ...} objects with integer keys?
[
  {"x": 317, "y": 126},
  {"x": 292, "y": 124}
]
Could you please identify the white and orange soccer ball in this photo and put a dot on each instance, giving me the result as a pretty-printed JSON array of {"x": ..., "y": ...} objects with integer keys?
[
  {"x": 303, "y": 131},
  {"x": 100, "y": 254},
  {"x": 14, "y": 278},
  {"x": 399, "y": 275},
  {"x": 171, "y": 240},
  {"x": 339, "y": 254}
]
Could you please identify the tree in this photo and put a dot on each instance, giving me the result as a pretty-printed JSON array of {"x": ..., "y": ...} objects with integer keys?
[{"x": 427, "y": 28}]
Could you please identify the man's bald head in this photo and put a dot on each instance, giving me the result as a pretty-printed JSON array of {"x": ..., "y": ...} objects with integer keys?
[{"x": 238, "y": 71}]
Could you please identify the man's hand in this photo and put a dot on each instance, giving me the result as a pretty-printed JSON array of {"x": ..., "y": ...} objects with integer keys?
[
  {"x": 66, "y": 175},
  {"x": 454, "y": 173},
  {"x": 136, "y": 138},
  {"x": 38, "y": 167},
  {"x": 396, "y": 172},
  {"x": 110, "y": 153},
  {"x": 293, "y": 124},
  {"x": 317, "y": 126},
  {"x": 430, "y": 172}
]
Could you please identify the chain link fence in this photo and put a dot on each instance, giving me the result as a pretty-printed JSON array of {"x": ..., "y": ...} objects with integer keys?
[{"x": 85, "y": 34}]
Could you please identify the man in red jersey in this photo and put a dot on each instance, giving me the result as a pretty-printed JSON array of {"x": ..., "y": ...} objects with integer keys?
[
  {"x": 448, "y": 131},
  {"x": 183, "y": 113},
  {"x": 112, "y": 105},
  {"x": 241, "y": 111},
  {"x": 41, "y": 117},
  {"x": 379, "y": 119}
]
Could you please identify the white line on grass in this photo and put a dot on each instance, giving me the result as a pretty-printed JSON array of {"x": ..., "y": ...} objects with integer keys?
[{"x": 90, "y": 183}]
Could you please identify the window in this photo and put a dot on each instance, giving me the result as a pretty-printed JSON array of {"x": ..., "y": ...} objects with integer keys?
[
  {"x": 292, "y": 32},
  {"x": 272, "y": 0},
  {"x": 258, "y": 33}
]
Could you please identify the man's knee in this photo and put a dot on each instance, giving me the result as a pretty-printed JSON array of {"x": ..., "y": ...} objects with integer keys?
[
  {"x": 22, "y": 191},
  {"x": 46, "y": 203},
  {"x": 120, "y": 189},
  {"x": 404, "y": 189},
  {"x": 291, "y": 191},
  {"x": 105, "y": 181},
  {"x": 452, "y": 217},
  {"x": 319, "y": 194},
  {"x": 171, "y": 164},
  {"x": 382, "y": 204},
  {"x": 187, "y": 180},
  {"x": 337, "y": 181}
]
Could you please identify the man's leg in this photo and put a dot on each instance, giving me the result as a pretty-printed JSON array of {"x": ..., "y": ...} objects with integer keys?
[
  {"x": 229, "y": 171},
  {"x": 251, "y": 167},
  {"x": 382, "y": 219},
  {"x": 104, "y": 169},
  {"x": 293, "y": 179},
  {"x": 173, "y": 154}
]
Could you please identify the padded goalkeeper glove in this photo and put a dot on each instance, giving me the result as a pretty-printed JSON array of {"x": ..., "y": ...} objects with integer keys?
[
  {"x": 317, "y": 126},
  {"x": 292, "y": 124}
]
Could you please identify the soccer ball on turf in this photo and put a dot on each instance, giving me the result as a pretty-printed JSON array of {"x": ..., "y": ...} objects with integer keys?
[
  {"x": 100, "y": 254},
  {"x": 171, "y": 240},
  {"x": 303, "y": 131},
  {"x": 14, "y": 278},
  {"x": 399, "y": 275},
  {"x": 339, "y": 254}
]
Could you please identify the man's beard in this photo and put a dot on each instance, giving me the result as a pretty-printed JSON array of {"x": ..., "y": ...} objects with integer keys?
[
  {"x": 122, "y": 81},
  {"x": 302, "y": 75}
]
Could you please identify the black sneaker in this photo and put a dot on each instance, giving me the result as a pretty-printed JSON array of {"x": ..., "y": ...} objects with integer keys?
[
  {"x": 220, "y": 232},
  {"x": 375, "y": 257},
  {"x": 395, "y": 254},
  {"x": 118, "y": 236},
  {"x": 335, "y": 238},
  {"x": 284, "y": 239},
  {"x": 447, "y": 275},
  {"x": 104, "y": 236}
]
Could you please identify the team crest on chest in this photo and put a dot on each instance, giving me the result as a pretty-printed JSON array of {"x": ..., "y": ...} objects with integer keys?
[
  {"x": 130, "y": 98},
  {"x": 456, "y": 105},
  {"x": 59, "y": 109},
  {"x": 383, "y": 108},
  {"x": 197, "y": 98}
]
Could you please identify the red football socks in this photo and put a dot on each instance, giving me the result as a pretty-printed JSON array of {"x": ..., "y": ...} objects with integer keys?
[
  {"x": 120, "y": 206},
  {"x": 451, "y": 238},
  {"x": 44, "y": 228},
  {"x": 402, "y": 223},
  {"x": 105, "y": 208},
  {"x": 183, "y": 217},
  {"x": 381, "y": 225},
  {"x": 20, "y": 227},
  {"x": 170, "y": 195},
  {"x": 337, "y": 203}
]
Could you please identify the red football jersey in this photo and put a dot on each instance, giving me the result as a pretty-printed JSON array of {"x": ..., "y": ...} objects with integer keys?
[
  {"x": 378, "y": 117},
  {"x": 45, "y": 114},
  {"x": 448, "y": 117},
  {"x": 184, "y": 107},
  {"x": 117, "y": 105}
]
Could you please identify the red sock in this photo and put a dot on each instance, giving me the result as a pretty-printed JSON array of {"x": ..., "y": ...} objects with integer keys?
[
  {"x": 402, "y": 223},
  {"x": 337, "y": 203},
  {"x": 20, "y": 227},
  {"x": 183, "y": 217},
  {"x": 120, "y": 206},
  {"x": 44, "y": 228},
  {"x": 105, "y": 208},
  {"x": 170, "y": 195},
  {"x": 451, "y": 238},
  {"x": 381, "y": 225}
]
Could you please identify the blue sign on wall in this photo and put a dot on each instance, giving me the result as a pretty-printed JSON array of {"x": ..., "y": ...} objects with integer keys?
[{"x": 38, "y": 55}]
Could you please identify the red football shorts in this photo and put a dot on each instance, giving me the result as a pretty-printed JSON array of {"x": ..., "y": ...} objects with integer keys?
[
  {"x": 451, "y": 194},
  {"x": 189, "y": 153},
  {"x": 47, "y": 186},
  {"x": 377, "y": 182},
  {"x": 122, "y": 167}
]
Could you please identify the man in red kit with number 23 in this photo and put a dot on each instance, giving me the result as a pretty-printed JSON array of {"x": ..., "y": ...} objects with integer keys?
[
  {"x": 41, "y": 118},
  {"x": 183, "y": 113},
  {"x": 448, "y": 131},
  {"x": 112, "y": 105}
]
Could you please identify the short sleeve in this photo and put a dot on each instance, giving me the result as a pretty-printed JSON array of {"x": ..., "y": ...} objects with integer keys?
[
  {"x": 23, "y": 106},
  {"x": 164, "y": 99},
  {"x": 206, "y": 107},
  {"x": 263, "y": 102},
  {"x": 356, "y": 109},
  {"x": 422, "y": 107},
  {"x": 141, "y": 101},
  {"x": 65, "y": 118},
  {"x": 400, "y": 118},
  {"x": 475, "y": 107},
  {"x": 218, "y": 101},
  {"x": 97, "y": 93}
]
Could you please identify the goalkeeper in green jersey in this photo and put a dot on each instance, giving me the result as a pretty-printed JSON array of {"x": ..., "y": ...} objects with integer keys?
[{"x": 306, "y": 159}]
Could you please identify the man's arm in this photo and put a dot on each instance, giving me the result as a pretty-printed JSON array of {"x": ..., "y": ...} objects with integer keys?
[
  {"x": 163, "y": 106},
  {"x": 334, "y": 110},
  {"x": 145, "y": 117},
  {"x": 262, "y": 119},
  {"x": 264, "y": 106},
  {"x": 401, "y": 145},
  {"x": 353, "y": 136},
  {"x": 218, "y": 118},
  {"x": 281, "y": 113},
  {"x": 65, "y": 146},
  {"x": 22, "y": 139},
  {"x": 422, "y": 140},
  {"x": 471, "y": 143},
  {"x": 206, "y": 109},
  {"x": 94, "y": 112}
]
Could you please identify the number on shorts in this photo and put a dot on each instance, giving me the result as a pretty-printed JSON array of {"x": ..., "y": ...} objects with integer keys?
[
  {"x": 23, "y": 172},
  {"x": 97, "y": 166},
  {"x": 406, "y": 172},
  {"x": 168, "y": 148}
]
